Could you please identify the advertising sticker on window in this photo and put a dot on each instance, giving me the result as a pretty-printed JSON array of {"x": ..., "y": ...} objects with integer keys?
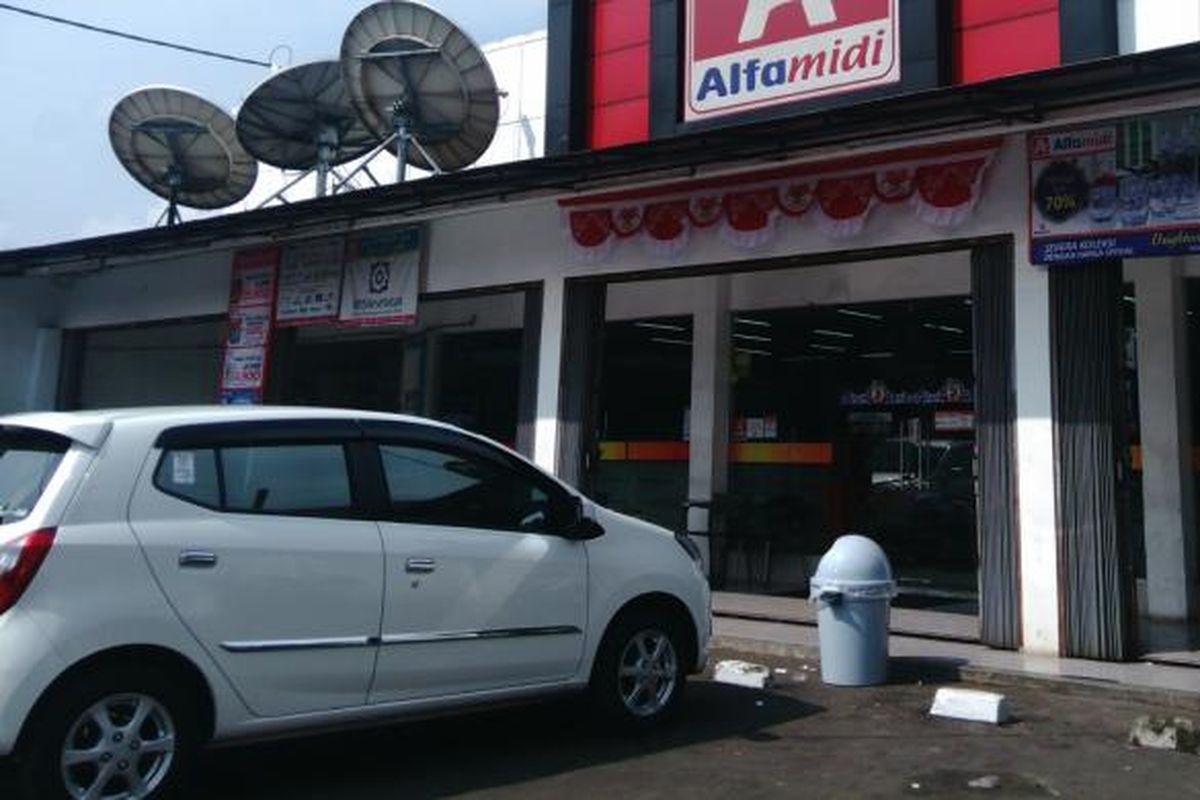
[
  {"x": 758, "y": 53},
  {"x": 382, "y": 278}
]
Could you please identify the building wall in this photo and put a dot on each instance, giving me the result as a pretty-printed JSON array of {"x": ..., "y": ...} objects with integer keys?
[
  {"x": 1152, "y": 24},
  {"x": 29, "y": 342}
]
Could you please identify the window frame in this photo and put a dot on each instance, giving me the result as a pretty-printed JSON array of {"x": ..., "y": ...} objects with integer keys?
[
  {"x": 399, "y": 434},
  {"x": 218, "y": 437}
]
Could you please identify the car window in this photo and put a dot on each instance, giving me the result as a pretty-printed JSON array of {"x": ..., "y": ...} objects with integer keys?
[
  {"x": 439, "y": 486},
  {"x": 28, "y": 460},
  {"x": 286, "y": 479},
  {"x": 190, "y": 475}
]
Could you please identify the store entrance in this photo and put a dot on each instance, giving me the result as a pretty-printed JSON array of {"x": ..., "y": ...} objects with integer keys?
[
  {"x": 855, "y": 418},
  {"x": 462, "y": 364}
]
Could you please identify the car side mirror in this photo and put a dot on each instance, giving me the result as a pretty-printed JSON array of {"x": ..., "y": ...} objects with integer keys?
[{"x": 582, "y": 528}]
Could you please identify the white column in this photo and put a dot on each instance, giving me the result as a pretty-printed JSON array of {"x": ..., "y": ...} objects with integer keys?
[
  {"x": 708, "y": 460},
  {"x": 545, "y": 435},
  {"x": 1035, "y": 459},
  {"x": 1163, "y": 397}
]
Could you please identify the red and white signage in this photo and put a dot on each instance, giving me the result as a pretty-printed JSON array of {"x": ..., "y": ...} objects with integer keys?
[
  {"x": 748, "y": 54},
  {"x": 248, "y": 342},
  {"x": 940, "y": 184}
]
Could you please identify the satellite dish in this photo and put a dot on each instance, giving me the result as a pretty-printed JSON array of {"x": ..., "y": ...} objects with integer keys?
[
  {"x": 181, "y": 147},
  {"x": 420, "y": 81},
  {"x": 302, "y": 119}
]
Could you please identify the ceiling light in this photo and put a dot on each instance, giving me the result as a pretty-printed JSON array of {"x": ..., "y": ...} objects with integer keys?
[
  {"x": 827, "y": 348},
  {"x": 747, "y": 321},
  {"x": 750, "y": 338},
  {"x": 849, "y": 312},
  {"x": 943, "y": 328},
  {"x": 660, "y": 326},
  {"x": 681, "y": 342},
  {"x": 748, "y": 351},
  {"x": 838, "y": 334},
  {"x": 878, "y": 355}
]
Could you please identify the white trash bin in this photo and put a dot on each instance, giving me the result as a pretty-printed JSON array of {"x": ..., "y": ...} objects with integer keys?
[{"x": 853, "y": 589}]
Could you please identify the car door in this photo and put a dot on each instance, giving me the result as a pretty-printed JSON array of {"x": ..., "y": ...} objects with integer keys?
[
  {"x": 255, "y": 537},
  {"x": 482, "y": 592}
]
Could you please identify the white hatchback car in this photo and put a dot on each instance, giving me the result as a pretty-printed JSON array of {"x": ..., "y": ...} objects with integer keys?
[{"x": 171, "y": 577}]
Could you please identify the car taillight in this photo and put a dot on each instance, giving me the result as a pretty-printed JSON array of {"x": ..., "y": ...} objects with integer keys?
[{"x": 20, "y": 560}]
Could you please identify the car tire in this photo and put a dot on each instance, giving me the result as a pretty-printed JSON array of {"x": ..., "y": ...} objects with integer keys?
[
  {"x": 93, "y": 721},
  {"x": 640, "y": 672}
]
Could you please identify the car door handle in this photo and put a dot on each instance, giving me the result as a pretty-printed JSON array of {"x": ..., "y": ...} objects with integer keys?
[
  {"x": 420, "y": 566},
  {"x": 197, "y": 559}
]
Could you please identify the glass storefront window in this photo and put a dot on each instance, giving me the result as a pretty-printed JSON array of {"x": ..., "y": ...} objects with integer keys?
[
  {"x": 642, "y": 464},
  {"x": 856, "y": 418},
  {"x": 461, "y": 364}
]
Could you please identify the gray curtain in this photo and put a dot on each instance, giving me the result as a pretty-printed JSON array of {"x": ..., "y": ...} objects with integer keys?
[
  {"x": 583, "y": 338},
  {"x": 995, "y": 414},
  {"x": 1089, "y": 441},
  {"x": 531, "y": 347}
]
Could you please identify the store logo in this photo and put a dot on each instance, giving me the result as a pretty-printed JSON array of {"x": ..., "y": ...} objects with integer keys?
[
  {"x": 757, "y": 53},
  {"x": 754, "y": 24},
  {"x": 381, "y": 278}
]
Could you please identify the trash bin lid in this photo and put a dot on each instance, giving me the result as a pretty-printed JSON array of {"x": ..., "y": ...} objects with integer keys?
[{"x": 855, "y": 566}]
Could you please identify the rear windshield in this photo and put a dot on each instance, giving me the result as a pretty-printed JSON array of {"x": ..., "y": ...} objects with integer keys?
[{"x": 28, "y": 460}]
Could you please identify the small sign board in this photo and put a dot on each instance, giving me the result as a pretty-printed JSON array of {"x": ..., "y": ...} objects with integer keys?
[
  {"x": 1124, "y": 190},
  {"x": 382, "y": 278}
]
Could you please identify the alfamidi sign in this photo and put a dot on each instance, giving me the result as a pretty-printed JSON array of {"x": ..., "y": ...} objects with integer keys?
[{"x": 744, "y": 55}]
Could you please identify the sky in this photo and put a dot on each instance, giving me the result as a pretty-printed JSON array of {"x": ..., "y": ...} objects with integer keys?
[{"x": 60, "y": 179}]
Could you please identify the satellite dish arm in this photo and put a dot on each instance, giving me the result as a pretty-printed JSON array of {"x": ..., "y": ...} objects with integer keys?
[{"x": 379, "y": 148}]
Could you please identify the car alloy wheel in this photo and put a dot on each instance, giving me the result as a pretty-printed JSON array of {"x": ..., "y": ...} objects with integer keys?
[
  {"x": 648, "y": 671},
  {"x": 121, "y": 748}
]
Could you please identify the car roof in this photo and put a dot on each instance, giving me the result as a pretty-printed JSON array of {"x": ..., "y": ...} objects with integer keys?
[{"x": 91, "y": 428}]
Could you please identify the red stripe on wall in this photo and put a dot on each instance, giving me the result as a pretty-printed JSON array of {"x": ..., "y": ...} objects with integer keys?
[
  {"x": 620, "y": 73},
  {"x": 994, "y": 40}
]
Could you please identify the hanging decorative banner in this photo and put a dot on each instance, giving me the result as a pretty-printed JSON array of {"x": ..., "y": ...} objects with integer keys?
[
  {"x": 382, "y": 278},
  {"x": 795, "y": 199},
  {"x": 310, "y": 283},
  {"x": 627, "y": 221},
  {"x": 705, "y": 210},
  {"x": 942, "y": 185},
  {"x": 947, "y": 193},
  {"x": 895, "y": 185},
  {"x": 750, "y": 218},
  {"x": 844, "y": 204},
  {"x": 248, "y": 341},
  {"x": 666, "y": 228},
  {"x": 1126, "y": 190}
]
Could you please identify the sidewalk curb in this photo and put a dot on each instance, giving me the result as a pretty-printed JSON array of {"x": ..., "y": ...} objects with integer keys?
[{"x": 987, "y": 676}]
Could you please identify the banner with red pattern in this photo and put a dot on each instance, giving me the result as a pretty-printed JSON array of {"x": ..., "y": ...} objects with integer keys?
[{"x": 939, "y": 184}]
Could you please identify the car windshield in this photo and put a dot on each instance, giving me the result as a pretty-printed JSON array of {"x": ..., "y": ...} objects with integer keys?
[{"x": 28, "y": 460}]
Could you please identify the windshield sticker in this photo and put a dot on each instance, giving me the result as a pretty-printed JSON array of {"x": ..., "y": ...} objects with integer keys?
[{"x": 183, "y": 469}]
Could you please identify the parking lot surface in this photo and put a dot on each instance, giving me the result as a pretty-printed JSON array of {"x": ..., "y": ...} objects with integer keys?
[{"x": 800, "y": 739}]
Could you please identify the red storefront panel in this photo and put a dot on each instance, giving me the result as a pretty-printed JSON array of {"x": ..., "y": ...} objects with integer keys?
[
  {"x": 620, "y": 72},
  {"x": 994, "y": 39}
]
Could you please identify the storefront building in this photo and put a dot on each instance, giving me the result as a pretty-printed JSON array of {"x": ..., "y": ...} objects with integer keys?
[{"x": 789, "y": 270}]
